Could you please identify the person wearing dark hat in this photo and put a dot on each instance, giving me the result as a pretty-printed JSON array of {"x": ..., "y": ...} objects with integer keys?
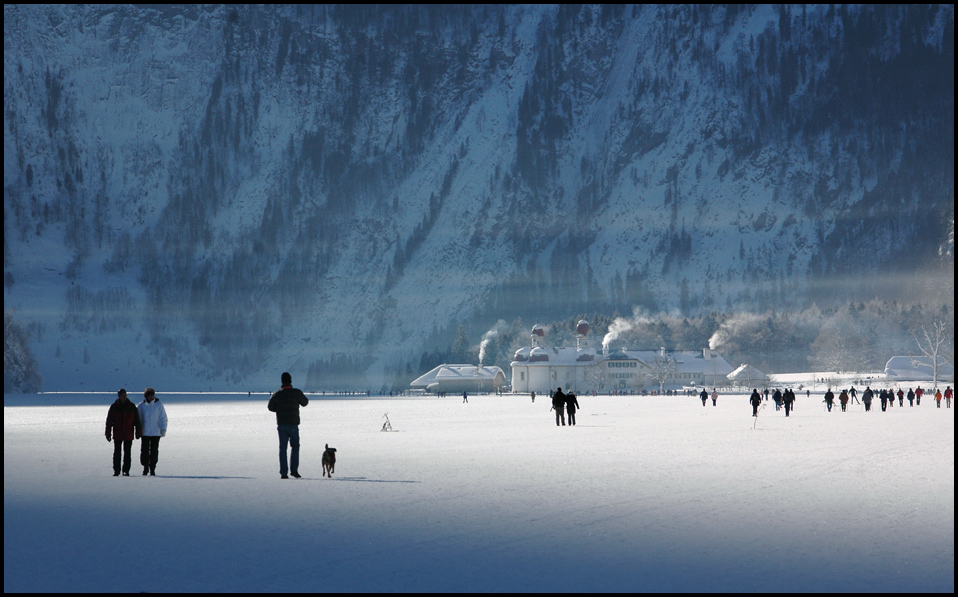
[
  {"x": 122, "y": 427},
  {"x": 285, "y": 402},
  {"x": 152, "y": 428}
]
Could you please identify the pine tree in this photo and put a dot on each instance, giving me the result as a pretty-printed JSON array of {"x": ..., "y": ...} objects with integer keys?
[{"x": 20, "y": 370}]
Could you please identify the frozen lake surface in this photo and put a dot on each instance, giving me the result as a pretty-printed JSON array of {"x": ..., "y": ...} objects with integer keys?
[{"x": 644, "y": 494}]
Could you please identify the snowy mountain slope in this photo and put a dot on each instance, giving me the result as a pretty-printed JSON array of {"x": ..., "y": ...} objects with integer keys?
[{"x": 227, "y": 192}]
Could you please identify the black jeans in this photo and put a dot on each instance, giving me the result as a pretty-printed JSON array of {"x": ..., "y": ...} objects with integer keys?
[
  {"x": 149, "y": 451},
  {"x": 126, "y": 446}
]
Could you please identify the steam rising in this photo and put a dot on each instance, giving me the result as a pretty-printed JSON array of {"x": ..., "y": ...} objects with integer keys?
[
  {"x": 621, "y": 325},
  {"x": 733, "y": 327},
  {"x": 488, "y": 337}
]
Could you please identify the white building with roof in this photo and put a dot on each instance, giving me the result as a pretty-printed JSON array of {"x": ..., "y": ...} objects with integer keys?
[
  {"x": 748, "y": 376},
  {"x": 541, "y": 369},
  {"x": 456, "y": 379}
]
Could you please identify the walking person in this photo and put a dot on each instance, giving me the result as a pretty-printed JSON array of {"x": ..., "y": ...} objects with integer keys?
[
  {"x": 558, "y": 404},
  {"x": 285, "y": 402},
  {"x": 948, "y": 395},
  {"x": 789, "y": 399},
  {"x": 829, "y": 399},
  {"x": 777, "y": 398},
  {"x": 756, "y": 400},
  {"x": 465, "y": 398},
  {"x": 918, "y": 393},
  {"x": 938, "y": 397},
  {"x": 883, "y": 397},
  {"x": 152, "y": 428},
  {"x": 571, "y": 404},
  {"x": 843, "y": 400},
  {"x": 901, "y": 397},
  {"x": 704, "y": 396},
  {"x": 533, "y": 397},
  {"x": 854, "y": 395},
  {"x": 122, "y": 427},
  {"x": 911, "y": 397},
  {"x": 714, "y": 396},
  {"x": 867, "y": 396}
]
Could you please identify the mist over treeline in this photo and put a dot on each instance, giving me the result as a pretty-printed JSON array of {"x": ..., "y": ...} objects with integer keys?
[{"x": 856, "y": 336}]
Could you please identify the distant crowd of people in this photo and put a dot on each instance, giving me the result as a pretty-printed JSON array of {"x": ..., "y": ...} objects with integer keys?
[{"x": 886, "y": 397}]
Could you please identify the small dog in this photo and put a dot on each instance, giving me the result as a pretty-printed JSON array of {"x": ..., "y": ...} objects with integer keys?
[{"x": 329, "y": 461}]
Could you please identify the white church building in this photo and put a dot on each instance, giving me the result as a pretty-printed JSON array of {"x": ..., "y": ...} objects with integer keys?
[{"x": 538, "y": 368}]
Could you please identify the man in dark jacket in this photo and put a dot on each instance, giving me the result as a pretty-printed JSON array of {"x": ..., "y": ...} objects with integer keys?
[
  {"x": 285, "y": 402},
  {"x": 867, "y": 398},
  {"x": 756, "y": 400},
  {"x": 571, "y": 404},
  {"x": 789, "y": 399},
  {"x": 829, "y": 399},
  {"x": 558, "y": 404},
  {"x": 122, "y": 427}
]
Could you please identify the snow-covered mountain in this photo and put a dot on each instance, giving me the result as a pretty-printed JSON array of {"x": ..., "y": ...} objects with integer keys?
[{"x": 212, "y": 195}]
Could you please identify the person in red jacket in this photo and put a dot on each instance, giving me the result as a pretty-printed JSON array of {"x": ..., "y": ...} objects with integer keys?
[{"x": 122, "y": 427}]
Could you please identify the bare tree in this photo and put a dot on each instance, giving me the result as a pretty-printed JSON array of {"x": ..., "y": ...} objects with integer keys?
[
  {"x": 662, "y": 368},
  {"x": 596, "y": 375},
  {"x": 932, "y": 340}
]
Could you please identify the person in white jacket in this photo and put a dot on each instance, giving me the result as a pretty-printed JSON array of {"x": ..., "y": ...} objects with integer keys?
[{"x": 153, "y": 427}]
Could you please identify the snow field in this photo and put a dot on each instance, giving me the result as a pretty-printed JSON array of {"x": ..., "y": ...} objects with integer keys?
[{"x": 644, "y": 494}]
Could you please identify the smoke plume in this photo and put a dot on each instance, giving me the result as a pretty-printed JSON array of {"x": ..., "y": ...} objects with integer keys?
[
  {"x": 732, "y": 328},
  {"x": 621, "y": 325},
  {"x": 488, "y": 337}
]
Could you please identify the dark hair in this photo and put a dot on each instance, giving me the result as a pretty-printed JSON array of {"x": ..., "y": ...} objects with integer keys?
[
  {"x": 286, "y": 378},
  {"x": 122, "y": 392}
]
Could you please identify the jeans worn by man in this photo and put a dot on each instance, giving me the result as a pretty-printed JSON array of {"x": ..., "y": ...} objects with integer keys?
[{"x": 288, "y": 435}]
